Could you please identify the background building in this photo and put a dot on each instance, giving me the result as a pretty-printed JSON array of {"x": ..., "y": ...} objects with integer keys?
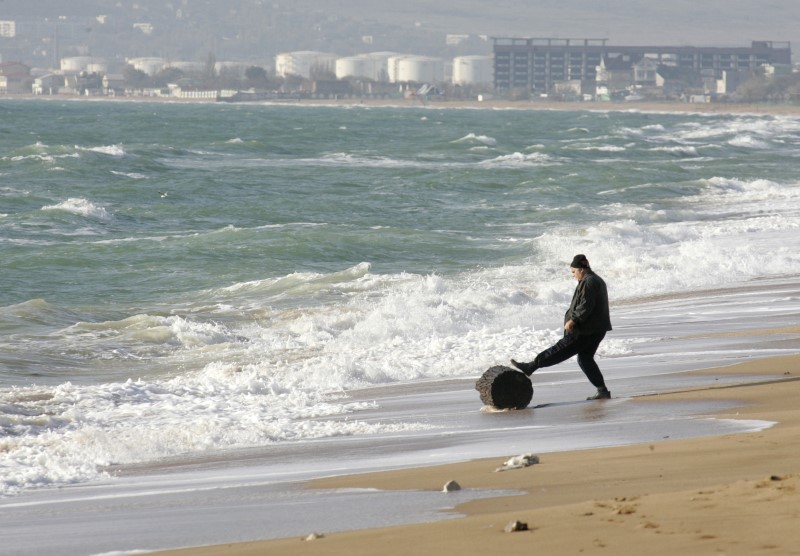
[{"x": 537, "y": 64}]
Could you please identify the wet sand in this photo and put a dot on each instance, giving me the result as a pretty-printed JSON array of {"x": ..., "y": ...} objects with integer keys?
[{"x": 732, "y": 494}]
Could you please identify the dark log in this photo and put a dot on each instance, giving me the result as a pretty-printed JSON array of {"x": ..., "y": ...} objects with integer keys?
[{"x": 505, "y": 388}]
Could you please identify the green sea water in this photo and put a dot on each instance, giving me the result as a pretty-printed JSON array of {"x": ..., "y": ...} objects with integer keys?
[{"x": 202, "y": 276}]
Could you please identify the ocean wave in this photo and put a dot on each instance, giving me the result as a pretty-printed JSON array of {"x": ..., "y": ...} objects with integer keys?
[
  {"x": 676, "y": 149},
  {"x": 473, "y": 138},
  {"x": 599, "y": 148},
  {"x": 644, "y": 130},
  {"x": 44, "y": 157},
  {"x": 746, "y": 193},
  {"x": 348, "y": 159},
  {"x": 81, "y": 207},
  {"x": 13, "y": 192},
  {"x": 749, "y": 142},
  {"x": 116, "y": 151},
  {"x": 73, "y": 433},
  {"x": 758, "y": 128},
  {"x": 297, "y": 284},
  {"x": 39, "y": 312},
  {"x": 132, "y": 175},
  {"x": 520, "y": 159}
]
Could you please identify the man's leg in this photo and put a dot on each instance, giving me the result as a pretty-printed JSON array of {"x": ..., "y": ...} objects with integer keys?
[
  {"x": 589, "y": 366},
  {"x": 559, "y": 352}
]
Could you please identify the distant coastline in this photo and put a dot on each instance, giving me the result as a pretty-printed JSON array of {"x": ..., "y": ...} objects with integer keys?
[
  {"x": 639, "y": 106},
  {"x": 493, "y": 104}
]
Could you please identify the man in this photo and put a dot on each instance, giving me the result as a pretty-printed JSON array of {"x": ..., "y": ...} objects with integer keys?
[{"x": 585, "y": 325}]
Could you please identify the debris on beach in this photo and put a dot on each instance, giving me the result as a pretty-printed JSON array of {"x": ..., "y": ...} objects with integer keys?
[
  {"x": 451, "y": 486},
  {"x": 518, "y": 462},
  {"x": 314, "y": 536},
  {"x": 515, "y": 526}
]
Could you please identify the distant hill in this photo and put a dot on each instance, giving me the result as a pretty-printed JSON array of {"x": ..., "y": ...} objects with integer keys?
[
  {"x": 258, "y": 29},
  {"x": 692, "y": 22}
]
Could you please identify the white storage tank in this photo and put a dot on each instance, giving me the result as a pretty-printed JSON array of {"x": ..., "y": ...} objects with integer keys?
[
  {"x": 473, "y": 70},
  {"x": 75, "y": 64},
  {"x": 373, "y": 65},
  {"x": 415, "y": 69},
  {"x": 301, "y": 62},
  {"x": 351, "y": 66},
  {"x": 150, "y": 66}
]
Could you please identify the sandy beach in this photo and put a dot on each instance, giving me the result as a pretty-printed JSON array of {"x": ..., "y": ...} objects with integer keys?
[{"x": 733, "y": 494}]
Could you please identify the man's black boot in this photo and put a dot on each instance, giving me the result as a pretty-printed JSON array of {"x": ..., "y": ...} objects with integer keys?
[
  {"x": 527, "y": 368},
  {"x": 602, "y": 394}
]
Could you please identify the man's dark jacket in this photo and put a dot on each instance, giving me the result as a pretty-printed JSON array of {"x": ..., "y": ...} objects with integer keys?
[{"x": 589, "y": 307}]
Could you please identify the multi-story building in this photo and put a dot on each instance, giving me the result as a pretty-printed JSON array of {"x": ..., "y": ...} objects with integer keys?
[{"x": 537, "y": 64}]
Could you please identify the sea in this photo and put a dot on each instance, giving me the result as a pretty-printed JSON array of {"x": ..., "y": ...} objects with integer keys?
[{"x": 203, "y": 285}]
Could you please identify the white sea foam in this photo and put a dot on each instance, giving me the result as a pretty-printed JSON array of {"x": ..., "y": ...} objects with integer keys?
[
  {"x": 663, "y": 252},
  {"x": 81, "y": 207},
  {"x": 132, "y": 175},
  {"x": 748, "y": 141},
  {"x": 111, "y": 150},
  {"x": 521, "y": 159},
  {"x": 42, "y": 157},
  {"x": 71, "y": 433},
  {"x": 677, "y": 149},
  {"x": 473, "y": 138},
  {"x": 275, "y": 375},
  {"x": 600, "y": 148}
]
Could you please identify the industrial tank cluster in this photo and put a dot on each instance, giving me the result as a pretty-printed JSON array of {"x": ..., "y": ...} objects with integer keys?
[
  {"x": 388, "y": 66},
  {"x": 377, "y": 66}
]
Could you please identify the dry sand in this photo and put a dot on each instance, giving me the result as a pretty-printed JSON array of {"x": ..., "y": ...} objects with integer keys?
[{"x": 732, "y": 495}]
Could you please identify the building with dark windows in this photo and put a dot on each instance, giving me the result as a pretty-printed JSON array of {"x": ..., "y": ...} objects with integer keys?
[{"x": 537, "y": 65}]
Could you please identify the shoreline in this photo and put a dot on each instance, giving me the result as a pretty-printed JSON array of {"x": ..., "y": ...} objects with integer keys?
[
  {"x": 732, "y": 494},
  {"x": 716, "y": 108},
  {"x": 592, "y": 106}
]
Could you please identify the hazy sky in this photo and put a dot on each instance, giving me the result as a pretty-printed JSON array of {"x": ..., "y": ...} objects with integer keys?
[
  {"x": 622, "y": 22},
  {"x": 725, "y": 22}
]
